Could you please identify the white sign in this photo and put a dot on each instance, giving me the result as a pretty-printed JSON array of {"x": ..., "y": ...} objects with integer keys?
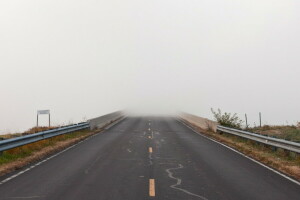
[{"x": 43, "y": 112}]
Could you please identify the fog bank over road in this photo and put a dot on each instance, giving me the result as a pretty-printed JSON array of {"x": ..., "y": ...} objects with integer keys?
[{"x": 85, "y": 59}]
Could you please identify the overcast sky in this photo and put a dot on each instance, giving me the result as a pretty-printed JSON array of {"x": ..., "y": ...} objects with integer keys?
[{"x": 83, "y": 59}]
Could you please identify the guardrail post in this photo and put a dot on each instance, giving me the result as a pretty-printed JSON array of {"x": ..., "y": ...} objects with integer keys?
[
  {"x": 286, "y": 152},
  {"x": 272, "y": 143},
  {"x": 259, "y": 119},
  {"x": 246, "y": 121}
]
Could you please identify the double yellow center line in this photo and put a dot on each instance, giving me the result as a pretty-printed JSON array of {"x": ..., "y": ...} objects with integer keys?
[{"x": 151, "y": 181}]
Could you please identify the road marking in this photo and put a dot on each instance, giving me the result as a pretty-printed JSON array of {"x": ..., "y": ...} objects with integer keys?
[
  {"x": 151, "y": 187},
  {"x": 149, "y": 124},
  {"x": 37, "y": 164},
  {"x": 149, "y": 129},
  {"x": 261, "y": 164},
  {"x": 57, "y": 154},
  {"x": 114, "y": 123},
  {"x": 150, "y": 150},
  {"x": 49, "y": 158}
]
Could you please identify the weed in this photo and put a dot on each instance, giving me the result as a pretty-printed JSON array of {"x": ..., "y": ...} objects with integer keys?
[{"x": 227, "y": 119}]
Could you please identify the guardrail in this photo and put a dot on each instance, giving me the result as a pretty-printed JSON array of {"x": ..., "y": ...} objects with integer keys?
[
  {"x": 279, "y": 143},
  {"x": 27, "y": 139},
  {"x": 101, "y": 121}
]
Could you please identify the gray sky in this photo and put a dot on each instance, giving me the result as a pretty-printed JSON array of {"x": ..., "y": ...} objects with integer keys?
[{"x": 82, "y": 59}]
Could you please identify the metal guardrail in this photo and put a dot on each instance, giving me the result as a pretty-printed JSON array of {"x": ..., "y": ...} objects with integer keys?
[
  {"x": 27, "y": 139},
  {"x": 280, "y": 143}
]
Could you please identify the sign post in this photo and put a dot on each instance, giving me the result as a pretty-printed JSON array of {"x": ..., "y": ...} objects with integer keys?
[
  {"x": 246, "y": 121},
  {"x": 259, "y": 119},
  {"x": 42, "y": 112}
]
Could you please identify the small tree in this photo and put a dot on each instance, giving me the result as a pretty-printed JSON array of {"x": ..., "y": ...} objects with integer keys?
[{"x": 227, "y": 119}]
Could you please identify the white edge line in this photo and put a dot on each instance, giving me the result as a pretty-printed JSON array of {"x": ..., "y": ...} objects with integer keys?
[
  {"x": 46, "y": 159},
  {"x": 115, "y": 123},
  {"x": 271, "y": 169}
]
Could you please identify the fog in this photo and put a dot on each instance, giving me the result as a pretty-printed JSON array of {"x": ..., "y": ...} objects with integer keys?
[{"x": 83, "y": 59}]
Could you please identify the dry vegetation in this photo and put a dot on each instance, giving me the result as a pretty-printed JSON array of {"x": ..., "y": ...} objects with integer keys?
[
  {"x": 291, "y": 133},
  {"x": 19, "y": 157},
  {"x": 29, "y": 131},
  {"x": 284, "y": 161},
  {"x": 16, "y": 158}
]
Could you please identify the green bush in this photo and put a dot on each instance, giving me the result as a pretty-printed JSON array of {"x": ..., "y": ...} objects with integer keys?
[{"x": 227, "y": 119}]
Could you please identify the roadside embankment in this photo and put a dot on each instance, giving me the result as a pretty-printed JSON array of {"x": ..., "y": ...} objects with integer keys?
[
  {"x": 200, "y": 122},
  {"x": 289, "y": 132},
  {"x": 281, "y": 160},
  {"x": 16, "y": 158}
]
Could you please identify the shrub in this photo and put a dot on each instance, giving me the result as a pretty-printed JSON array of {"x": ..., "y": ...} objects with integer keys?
[{"x": 227, "y": 119}]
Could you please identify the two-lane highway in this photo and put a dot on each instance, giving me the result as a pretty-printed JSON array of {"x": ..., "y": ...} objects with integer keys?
[{"x": 148, "y": 158}]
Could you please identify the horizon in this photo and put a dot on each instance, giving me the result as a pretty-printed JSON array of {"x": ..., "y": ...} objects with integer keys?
[{"x": 82, "y": 60}]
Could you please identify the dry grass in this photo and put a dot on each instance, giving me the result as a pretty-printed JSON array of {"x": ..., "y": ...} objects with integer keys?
[
  {"x": 291, "y": 133},
  {"x": 286, "y": 162},
  {"x": 29, "y": 131},
  {"x": 19, "y": 157}
]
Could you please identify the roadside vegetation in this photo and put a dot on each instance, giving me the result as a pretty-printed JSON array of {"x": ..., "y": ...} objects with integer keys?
[
  {"x": 291, "y": 133},
  {"x": 29, "y": 149},
  {"x": 28, "y": 132},
  {"x": 285, "y": 161},
  {"x": 18, "y": 157},
  {"x": 227, "y": 119}
]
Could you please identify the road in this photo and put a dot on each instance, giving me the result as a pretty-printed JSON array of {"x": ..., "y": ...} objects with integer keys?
[{"x": 148, "y": 158}]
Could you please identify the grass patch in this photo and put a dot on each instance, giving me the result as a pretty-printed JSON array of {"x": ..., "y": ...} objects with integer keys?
[
  {"x": 19, "y": 157},
  {"x": 29, "y": 149},
  {"x": 266, "y": 150},
  {"x": 28, "y": 132},
  {"x": 291, "y": 133},
  {"x": 279, "y": 159}
]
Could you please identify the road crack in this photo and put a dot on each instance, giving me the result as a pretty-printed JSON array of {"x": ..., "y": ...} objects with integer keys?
[
  {"x": 179, "y": 181},
  {"x": 150, "y": 159}
]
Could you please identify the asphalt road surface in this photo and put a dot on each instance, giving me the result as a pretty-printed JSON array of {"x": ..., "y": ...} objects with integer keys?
[{"x": 148, "y": 158}]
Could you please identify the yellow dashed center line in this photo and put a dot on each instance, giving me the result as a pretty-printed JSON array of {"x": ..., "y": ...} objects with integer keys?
[
  {"x": 151, "y": 187},
  {"x": 150, "y": 150}
]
